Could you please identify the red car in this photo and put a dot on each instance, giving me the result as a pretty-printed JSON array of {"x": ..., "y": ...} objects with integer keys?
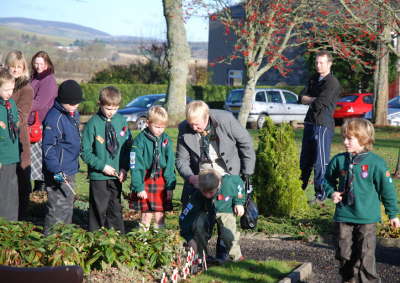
[{"x": 353, "y": 105}]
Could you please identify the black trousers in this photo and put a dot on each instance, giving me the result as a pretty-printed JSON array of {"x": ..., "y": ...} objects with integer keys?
[
  {"x": 105, "y": 208},
  {"x": 9, "y": 192},
  {"x": 24, "y": 189}
]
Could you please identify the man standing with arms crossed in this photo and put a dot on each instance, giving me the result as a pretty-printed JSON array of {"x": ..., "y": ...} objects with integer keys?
[{"x": 321, "y": 93}]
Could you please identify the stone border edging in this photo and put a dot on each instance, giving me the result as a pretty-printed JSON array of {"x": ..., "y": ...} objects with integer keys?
[{"x": 301, "y": 273}]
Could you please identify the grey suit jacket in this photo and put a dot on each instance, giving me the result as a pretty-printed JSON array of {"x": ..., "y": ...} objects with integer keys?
[{"x": 235, "y": 147}]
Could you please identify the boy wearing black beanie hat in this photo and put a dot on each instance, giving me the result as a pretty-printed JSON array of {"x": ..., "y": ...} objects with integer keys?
[{"x": 61, "y": 147}]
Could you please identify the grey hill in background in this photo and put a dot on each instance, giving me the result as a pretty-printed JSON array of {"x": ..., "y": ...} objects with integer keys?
[{"x": 78, "y": 51}]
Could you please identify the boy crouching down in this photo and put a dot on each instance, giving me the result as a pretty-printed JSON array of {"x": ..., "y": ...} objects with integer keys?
[{"x": 220, "y": 198}]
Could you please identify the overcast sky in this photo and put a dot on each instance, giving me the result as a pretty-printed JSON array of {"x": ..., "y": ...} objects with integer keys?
[{"x": 116, "y": 17}]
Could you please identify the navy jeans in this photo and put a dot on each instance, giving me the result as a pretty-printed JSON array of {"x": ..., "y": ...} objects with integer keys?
[{"x": 315, "y": 154}]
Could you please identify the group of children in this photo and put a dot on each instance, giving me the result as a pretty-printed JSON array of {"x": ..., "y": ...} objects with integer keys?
[
  {"x": 356, "y": 180},
  {"x": 107, "y": 147}
]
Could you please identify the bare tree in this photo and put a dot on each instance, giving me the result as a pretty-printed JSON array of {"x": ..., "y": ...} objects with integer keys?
[{"x": 178, "y": 55}]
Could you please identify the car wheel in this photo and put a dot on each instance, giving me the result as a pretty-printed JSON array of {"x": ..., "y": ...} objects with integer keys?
[
  {"x": 338, "y": 122},
  {"x": 141, "y": 123},
  {"x": 261, "y": 121}
]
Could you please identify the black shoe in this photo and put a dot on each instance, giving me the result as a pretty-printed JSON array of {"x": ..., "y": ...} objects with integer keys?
[{"x": 39, "y": 186}]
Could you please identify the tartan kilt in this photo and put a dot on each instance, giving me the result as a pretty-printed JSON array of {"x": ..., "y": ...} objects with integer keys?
[
  {"x": 36, "y": 163},
  {"x": 156, "y": 196}
]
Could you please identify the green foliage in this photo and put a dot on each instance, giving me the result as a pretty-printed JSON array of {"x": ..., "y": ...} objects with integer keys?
[
  {"x": 387, "y": 231},
  {"x": 277, "y": 186},
  {"x": 353, "y": 77},
  {"x": 22, "y": 244},
  {"x": 129, "y": 92},
  {"x": 146, "y": 73}
]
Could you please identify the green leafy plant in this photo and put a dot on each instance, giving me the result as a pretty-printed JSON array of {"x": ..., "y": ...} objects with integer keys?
[
  {"x": 277, "y": 185},
  {"x": 23, "y": 244}
]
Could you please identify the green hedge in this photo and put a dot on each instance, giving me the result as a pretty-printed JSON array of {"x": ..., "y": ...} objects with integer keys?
[
  {"x": 129, "y": 92},
  {"x": 214, "y": 95}
]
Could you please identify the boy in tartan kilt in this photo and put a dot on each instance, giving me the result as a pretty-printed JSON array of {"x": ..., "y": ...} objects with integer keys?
[{"x": 152, "y": 169}]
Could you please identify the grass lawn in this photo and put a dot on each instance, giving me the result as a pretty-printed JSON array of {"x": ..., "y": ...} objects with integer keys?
[
  {"x": 317, "y": 222},
  {"x": 246, "y": 271}
]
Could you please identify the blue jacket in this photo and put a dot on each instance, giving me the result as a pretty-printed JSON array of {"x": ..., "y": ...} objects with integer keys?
[{"x": 61, "y": 141}]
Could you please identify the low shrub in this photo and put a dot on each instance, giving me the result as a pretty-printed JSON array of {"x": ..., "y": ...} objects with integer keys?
[
  {"x": 23, "y": 244},
  {"x": 277, "y": 185}
]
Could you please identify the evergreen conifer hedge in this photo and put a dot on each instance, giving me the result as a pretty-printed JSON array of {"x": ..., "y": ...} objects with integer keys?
[{"x": 276, "y": 180}]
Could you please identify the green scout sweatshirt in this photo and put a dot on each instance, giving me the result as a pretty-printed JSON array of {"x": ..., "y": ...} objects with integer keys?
[
  {"x": 371, "y": 185},
  {"x": 9, "y": 151},
  {"x": 231, "y": 193},
  {"x": 141, "y": 159},
  {"x": 94, "y": 151}
]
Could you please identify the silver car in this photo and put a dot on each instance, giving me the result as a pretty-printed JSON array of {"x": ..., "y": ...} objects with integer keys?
[
  {"x": 279, "y": 104},
  {"x": 393, "y": 114}
]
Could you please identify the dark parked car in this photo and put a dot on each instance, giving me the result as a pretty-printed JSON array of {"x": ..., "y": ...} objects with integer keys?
[
  {"x": 352, "y": 106},
  {"x": 136, "y": 110}
]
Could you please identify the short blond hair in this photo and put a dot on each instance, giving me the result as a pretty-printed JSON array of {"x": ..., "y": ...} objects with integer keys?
[
  {"x": 209, "y": 180},
  {"x": 157, "y": 114},
  {"x": 5, "y": 76},
  {"x": 110, "y": 96},
  {"x": 16, "y": 57},
  {"x": 360, "y": 128},
  {"x": 197, "y": 108}
]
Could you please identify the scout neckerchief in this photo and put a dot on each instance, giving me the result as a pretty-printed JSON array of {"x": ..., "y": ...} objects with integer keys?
[
  {"x": 351, "y": 160},
  {"x": 112, "y": 144},
  {"x": 12, "y": 127},
  {"x": 155, "y": 170},
  {"x": 205, "y": 144}
]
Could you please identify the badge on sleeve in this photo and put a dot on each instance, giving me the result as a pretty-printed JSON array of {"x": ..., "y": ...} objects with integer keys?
[
  {"x": 364, "y": 171},
  {"x": 240, "y": 193},
  {"x": 132, "y": 159},
  {"x": 100, "y": 139},
  {"x": 123, "y": 132}
]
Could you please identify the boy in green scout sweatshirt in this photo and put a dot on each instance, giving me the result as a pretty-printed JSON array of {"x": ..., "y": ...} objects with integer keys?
[
  {"x": 224, "y": 196},
  {"x": 357, "y": 181},
  {"x": 9, "y": 148},
  {"x": 105, "y": 148},
  {"x": 152, "y": 162}
]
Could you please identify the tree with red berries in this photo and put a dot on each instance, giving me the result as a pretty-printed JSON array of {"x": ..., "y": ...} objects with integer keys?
[
  {"x": 266, "y": 30},
  {"x": 381, "y": 18}
]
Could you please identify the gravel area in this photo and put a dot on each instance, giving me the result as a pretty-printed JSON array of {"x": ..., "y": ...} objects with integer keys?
[{"x": 322, "y": 257}]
